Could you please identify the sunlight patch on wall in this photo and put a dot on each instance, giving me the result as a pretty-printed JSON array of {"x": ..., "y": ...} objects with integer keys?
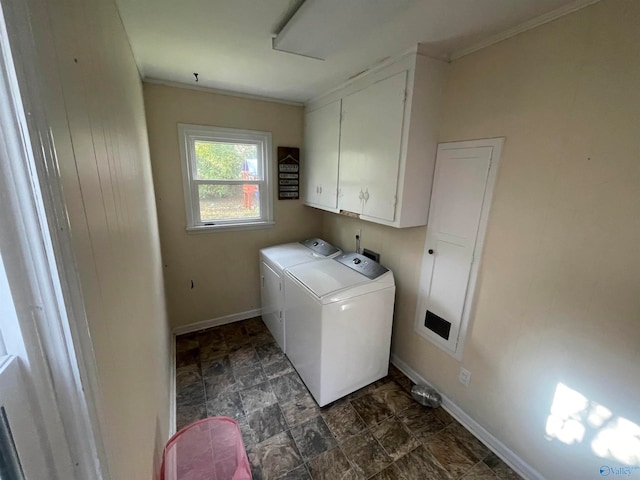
[
  {"x": 568, "y": 411},
  {"x": 619, "y": 440},
  {"x": 573, "y": 418}
]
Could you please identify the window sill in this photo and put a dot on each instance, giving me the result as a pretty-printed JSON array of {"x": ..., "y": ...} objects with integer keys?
[{"x": 227, "y": 227}]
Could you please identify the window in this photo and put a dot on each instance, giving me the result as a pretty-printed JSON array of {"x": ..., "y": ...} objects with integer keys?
[{"x": 226, "y": 177}]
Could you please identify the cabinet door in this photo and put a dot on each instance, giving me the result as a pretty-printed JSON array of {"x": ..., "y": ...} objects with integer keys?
[
  {"x": 370, "y": 147},
  {"x": 352, "y": 153},
  {"x": 384, "y": 147},
  {"x": 322, "y": 142}
]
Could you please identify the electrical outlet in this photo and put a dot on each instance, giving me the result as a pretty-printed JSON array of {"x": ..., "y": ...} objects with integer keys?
[{"x": 464, "y": 376}]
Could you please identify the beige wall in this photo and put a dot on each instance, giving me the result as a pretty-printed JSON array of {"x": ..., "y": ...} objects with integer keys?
[
  {"x": 95, "y": 106},
  {"x": 222, "y": 265},
  {"x": 558, "y": 297}
]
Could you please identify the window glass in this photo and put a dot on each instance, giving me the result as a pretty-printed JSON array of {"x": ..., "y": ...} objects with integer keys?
[
  {"x": 229, "y": 202},
  {"x": 226, "y": 177},
  {"x": 225, "y": 160}
]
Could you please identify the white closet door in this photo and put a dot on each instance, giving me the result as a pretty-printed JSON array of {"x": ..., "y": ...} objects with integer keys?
[
  {"x": 322, "y": 143},
  {"x": 370, "y": 147},
  {"x": 457, "y": 201}
]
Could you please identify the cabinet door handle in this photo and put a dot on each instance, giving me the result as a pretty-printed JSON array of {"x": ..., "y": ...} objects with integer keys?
[
  {"x": 366, "y": 195},
  {"x": 360, "y": 195},
  {"x": 320, "y": 189}
]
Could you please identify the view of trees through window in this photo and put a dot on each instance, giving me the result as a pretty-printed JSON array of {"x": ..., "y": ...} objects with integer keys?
[{"x": 227, "y": 162}]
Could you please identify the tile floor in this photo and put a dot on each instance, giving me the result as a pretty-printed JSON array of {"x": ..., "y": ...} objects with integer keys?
[{"x": 378, "y": 432}]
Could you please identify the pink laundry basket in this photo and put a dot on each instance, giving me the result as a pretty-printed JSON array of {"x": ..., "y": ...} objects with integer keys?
[{"x": 209, "y": 449}]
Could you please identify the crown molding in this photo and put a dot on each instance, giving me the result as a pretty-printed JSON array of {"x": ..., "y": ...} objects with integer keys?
[
  {"x": 523, "y": 27},
  {"x": 229, "y": 93}
]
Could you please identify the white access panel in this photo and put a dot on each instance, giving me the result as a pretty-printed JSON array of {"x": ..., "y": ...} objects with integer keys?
[
  {"x": 459, "y": 204},
  {"x": 458, "y": 194}
]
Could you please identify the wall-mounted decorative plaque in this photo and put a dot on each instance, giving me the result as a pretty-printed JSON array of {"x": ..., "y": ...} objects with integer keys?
[{"x": 288, "y": 173}]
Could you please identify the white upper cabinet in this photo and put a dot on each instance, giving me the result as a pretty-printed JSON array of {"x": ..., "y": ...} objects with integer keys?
[
  {"x": 370, "y": 146},
  {"x": 387, "y": 142},
  {"x": 321, "y": 148}
]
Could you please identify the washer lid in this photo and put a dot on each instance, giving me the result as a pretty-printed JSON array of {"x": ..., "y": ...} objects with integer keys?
[
  {"x": 288, "y": 254},
  {"x": 332, "y": 281},
  {"x": 283, "y": 256}
]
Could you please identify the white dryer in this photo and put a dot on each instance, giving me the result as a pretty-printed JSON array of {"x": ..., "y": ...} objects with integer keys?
[
  {"x": 273, "y": 262},
  {"x": 339, "y": 318}
]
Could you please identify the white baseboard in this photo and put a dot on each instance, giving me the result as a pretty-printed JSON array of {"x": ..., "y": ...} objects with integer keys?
[
  {"x": 495, "y": 445},
  {"x": 215, "y": 322}
]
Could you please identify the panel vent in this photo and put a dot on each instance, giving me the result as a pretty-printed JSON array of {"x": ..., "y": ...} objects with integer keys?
[{"x": 437, "y": 324}]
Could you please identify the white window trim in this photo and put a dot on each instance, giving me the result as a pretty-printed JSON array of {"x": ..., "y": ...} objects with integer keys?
[{"x": 187, "y": 135}]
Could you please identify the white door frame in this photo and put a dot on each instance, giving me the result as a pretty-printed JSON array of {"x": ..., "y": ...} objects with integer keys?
[
  {"x": 51, "y": 335},
  {"x": 469, "y": 303},
  {"x": 20, "y": 432}
]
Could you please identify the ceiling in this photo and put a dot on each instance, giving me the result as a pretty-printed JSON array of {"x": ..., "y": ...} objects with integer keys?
[{"x": 229, "y": 42}]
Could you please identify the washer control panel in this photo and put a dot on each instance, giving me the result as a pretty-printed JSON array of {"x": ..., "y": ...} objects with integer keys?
[
  {"x": 361, "y": 264},
  {"x": 319, "y": 246}
]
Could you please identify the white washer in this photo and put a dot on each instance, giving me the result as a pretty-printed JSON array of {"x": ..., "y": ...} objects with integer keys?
[
  {"x": 273, "y": 262},
  {"x": 339, "y": 319}
]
